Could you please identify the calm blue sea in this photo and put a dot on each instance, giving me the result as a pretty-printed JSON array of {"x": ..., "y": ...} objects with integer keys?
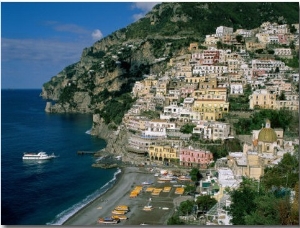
[{"x": 48, "y": 192}]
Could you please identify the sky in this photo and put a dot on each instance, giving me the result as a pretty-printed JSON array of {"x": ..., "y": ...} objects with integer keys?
[{"x": 39, "y": 39}]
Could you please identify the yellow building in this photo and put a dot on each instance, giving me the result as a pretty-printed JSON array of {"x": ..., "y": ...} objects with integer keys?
[
  {"x": 211, "y": 93},
  {"x": 211, "y": 109},
  {"x": 163, "y": 153},
  {"x": 262, "y": 99}
]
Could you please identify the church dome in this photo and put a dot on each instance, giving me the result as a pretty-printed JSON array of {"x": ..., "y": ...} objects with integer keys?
[{"x": 267, "y": 135}]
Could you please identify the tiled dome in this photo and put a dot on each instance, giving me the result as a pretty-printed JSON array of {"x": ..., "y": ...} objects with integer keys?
[{"x": 267, "y": 135}]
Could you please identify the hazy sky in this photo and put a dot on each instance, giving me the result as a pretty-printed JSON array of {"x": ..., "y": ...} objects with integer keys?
[{"x": 39, "y": 39}]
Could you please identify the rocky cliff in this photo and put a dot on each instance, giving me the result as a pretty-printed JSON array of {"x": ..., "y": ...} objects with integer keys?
[{"x": 116, "y": 140}]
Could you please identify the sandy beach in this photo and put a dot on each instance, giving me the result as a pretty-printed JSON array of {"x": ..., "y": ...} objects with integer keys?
[{"x": 129, "y": 178}]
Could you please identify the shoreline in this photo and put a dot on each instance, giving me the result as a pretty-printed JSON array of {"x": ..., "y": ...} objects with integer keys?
[
  {"x": 98, "y": 198},
  {"x": 116, "y": 195}
]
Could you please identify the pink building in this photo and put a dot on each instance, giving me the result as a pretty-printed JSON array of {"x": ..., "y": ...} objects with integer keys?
[{"x": 195, "y": 158}]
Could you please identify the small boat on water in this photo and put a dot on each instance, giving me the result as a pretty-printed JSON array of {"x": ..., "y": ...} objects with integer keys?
[
  {"x": 38, "y": 156},
  {"x": 108, "y": 220}
]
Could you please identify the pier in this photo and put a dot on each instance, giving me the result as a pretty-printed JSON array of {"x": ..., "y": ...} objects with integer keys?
[{"x": 82, "y": 152}]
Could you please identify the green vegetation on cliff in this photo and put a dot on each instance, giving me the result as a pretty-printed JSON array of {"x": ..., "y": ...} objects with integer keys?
[
  {"x": 269, "y": 201},
  {"x": 200, "y": 18}
]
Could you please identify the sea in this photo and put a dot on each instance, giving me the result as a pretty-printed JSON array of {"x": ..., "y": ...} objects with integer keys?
[{"x": 46, "y": 192}]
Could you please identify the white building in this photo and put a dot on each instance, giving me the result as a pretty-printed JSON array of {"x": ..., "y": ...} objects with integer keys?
[
  {"x": 236, "y": 88},
  {"x": 156, "y": 128},
  {"x": 267, "y": 65},
  {"x": 202, "y": 70},
  {"x": 212, "y": 130},
  {"x": 283, "y": 51},
  {"x": 244, "y": 32},
  {"x": 223, "y": 30}
]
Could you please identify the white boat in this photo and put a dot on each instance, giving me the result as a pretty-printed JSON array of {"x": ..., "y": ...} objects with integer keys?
[{"x": 38, "y": 156}]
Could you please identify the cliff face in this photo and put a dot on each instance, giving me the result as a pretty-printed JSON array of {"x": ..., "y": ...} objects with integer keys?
[{"x": 116, "y": 139}]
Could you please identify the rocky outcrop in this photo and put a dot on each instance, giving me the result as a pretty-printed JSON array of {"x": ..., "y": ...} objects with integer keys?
[
  {"x": 116, "y": 139},
  {"x": 80, "y": 104}
]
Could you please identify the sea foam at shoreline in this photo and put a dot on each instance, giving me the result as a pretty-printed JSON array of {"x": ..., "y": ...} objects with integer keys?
[{"x": 66, "y": 214}]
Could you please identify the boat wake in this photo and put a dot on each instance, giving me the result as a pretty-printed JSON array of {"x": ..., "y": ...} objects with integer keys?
[{"x": 66, "y": 214}]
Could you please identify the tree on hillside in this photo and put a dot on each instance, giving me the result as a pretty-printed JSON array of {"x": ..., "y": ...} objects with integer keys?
[
  {"x": 205, "y": 202},
  {"x": 187, "y": 128},
  {"x": 285, "y": 174},
  {"x": 282, "y": 118},
  {"x": 265, "y": 212},
  {"x": 195, "y": 174},
  {"x": 239, "y": 38},
  {"x": 282, "y": 96},
  {"x": 175, "y": 220},
  {"x": 242, "y": 202},
  {"x": 186, "y": 207}
]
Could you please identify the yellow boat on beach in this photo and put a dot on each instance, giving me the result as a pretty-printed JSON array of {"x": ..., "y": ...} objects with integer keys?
[
  {"x": 122, "y": 208},
  {"x": 121, "y": 217},
  {"x": 117, "y": 212}
]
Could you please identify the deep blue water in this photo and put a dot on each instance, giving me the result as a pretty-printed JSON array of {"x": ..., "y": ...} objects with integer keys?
[{"x": 39, "y": 193}]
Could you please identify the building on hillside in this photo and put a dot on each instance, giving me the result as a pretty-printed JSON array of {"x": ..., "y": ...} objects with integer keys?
[
  {"x": 223, "y": 30},
  {"x": 211, "y": 109},
  {"x": 139, "y": 145},
  {"x": 211, "y": 40},
  {"x": 187, "y": 90},
  {"x": 288, "y": 104},
  {"x": 161, "y": 87},
  {"x": 210, "y": 91},
  {"x": 268, "y": 65},
  {"x": 155, "y": 128},
  {"x": 191, "y": 157},
  {"x": 283, "y": 52},
  {"x": 262, "y": 98},
  {"x": 203, "y": 70},
  {"x": 193, "y": 47},
  {"x": 244, "y": 32},
  {"x": 236, "y": 88},
  {"x": 206, "y": 57},
  {"x": 266, "y": 149},
  {"x": 135, "y": 123},
  {"x": 253, "y": 46},
  {"x": 212, "y": 130},
  {"x": 163, "y": 153}
]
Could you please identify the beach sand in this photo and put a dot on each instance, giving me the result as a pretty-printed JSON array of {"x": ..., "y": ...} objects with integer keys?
[{"x": 129, "y": 178}]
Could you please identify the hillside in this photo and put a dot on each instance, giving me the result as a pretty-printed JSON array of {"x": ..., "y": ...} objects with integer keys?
[{"x": 107, "y": 70}]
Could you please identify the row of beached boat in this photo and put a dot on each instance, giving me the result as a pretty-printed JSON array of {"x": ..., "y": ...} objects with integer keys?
[{"x": 117, "y": 214}]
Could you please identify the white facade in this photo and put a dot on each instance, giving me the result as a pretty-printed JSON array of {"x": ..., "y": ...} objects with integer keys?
[
  {"x": 206, "y": 70},
  {"x": 267, "y": 65},
  {"x": 223, "y": 30},
  {"x": 212, "y": 130},
  {"x": 236, "y": 89},
  {"x": 156, "y": 128},
  {"x": 244, "y": 32},
  {"x": 282, "y": 51}
]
